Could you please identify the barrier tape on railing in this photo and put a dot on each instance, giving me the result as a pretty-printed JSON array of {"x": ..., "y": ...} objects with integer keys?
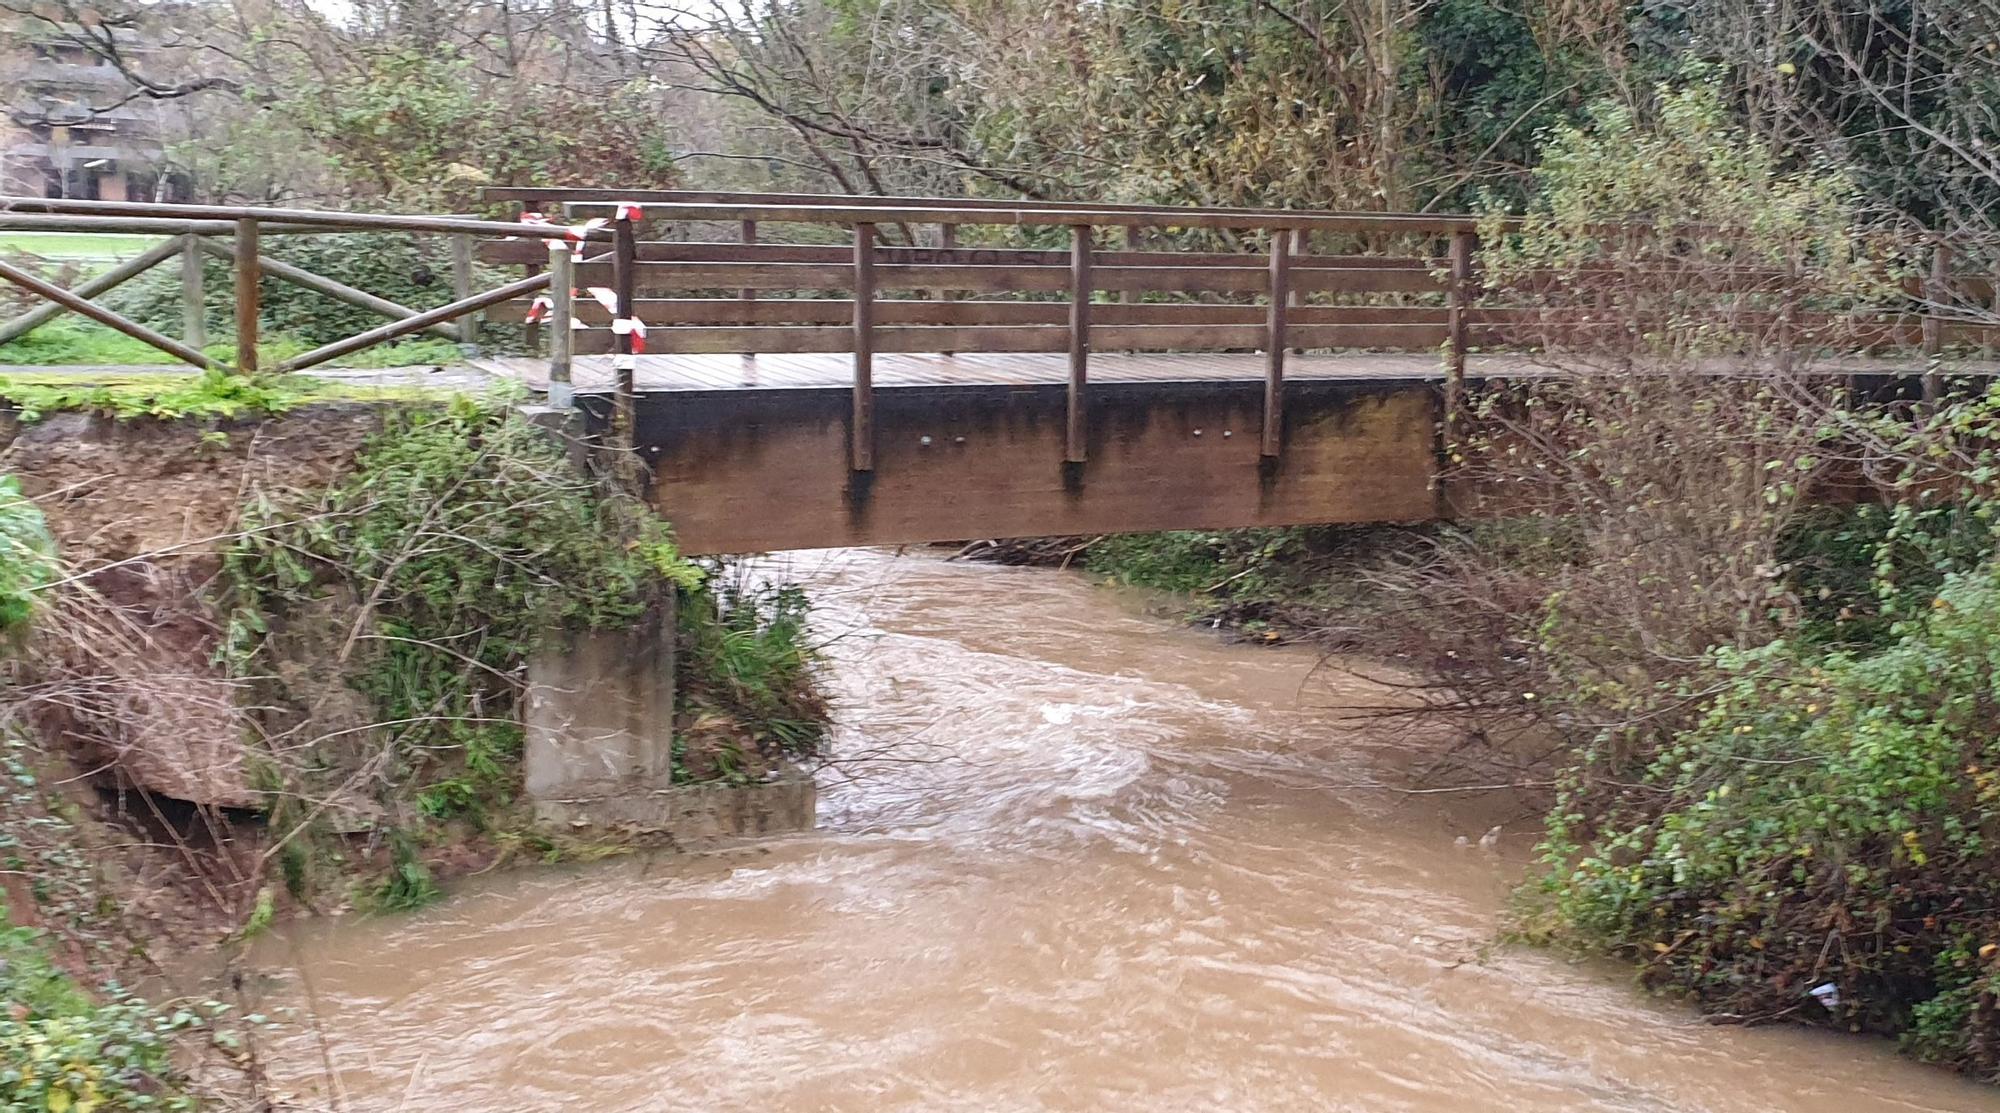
[
  {"x": 529, "y": 218},
  {"x": 606, "y": 298},
  {"x": 633, "y": 327},
  {"x": 627, "y": 210},
  {"x": 540, "y": 309}
]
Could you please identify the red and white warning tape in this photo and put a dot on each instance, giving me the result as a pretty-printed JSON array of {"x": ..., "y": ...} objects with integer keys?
[
  {"x": 633, "y": 327},
  {"x": 627, "y": 210}
]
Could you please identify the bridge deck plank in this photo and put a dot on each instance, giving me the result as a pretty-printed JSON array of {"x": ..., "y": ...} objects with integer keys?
[
  {"x": 834, "y": 370},
  {"x": 906, "y": 369}
]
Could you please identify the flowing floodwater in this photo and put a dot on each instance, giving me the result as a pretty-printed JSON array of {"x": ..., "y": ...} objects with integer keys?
[{"x": 1072, "y": 858}]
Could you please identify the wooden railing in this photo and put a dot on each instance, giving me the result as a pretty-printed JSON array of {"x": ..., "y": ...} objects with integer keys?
[
  {"x": 876, "y": 275},
  {"x": 703, "y": 273},
  {"x": 196, "y": 231},
  {"x": 887, "y": 291}
]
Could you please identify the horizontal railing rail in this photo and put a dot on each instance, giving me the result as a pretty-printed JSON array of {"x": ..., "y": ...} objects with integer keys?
[
  {"x": 591, "y": 200},
  {"x": 340, "y": 222}
]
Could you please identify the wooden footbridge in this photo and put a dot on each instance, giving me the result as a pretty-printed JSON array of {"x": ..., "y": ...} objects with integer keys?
[{"x": 803, "y": 371}]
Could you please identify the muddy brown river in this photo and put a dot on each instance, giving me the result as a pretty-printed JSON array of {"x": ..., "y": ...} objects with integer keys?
[{"x": 1070, "y": 857}]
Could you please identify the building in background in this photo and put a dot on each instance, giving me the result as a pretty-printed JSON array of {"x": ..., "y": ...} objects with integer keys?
[{"x": 53, "y": 144}]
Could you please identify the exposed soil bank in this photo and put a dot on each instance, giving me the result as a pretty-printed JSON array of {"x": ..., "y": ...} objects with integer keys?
[{"x": 276, "y": 665}]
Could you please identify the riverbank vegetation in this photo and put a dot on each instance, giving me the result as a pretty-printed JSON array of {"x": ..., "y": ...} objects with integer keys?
[{"x": 274, "y": 662}]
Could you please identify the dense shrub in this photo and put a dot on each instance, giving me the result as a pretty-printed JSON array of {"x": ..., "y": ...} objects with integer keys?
[
  {"x": 64, "y": 1046},
  {"x": 1830, "y": 821},
  {"x": 1192, "y": 561},
  {"x": 748, "y": 657}
]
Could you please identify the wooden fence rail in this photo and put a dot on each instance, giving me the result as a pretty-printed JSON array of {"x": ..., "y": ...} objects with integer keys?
[{"x": 194, "y": 231}]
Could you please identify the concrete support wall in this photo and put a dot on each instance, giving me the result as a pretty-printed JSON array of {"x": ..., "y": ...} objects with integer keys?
[
  {"x": 599, "y": 748},
  {"x": 600, "y": 716}
]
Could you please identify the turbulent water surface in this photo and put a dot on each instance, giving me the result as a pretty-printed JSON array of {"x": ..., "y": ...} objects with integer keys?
[{"x": 1070, "y": 858}]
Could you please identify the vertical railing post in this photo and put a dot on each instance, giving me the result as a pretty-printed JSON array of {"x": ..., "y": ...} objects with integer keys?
[
  {"x": 461, "y": 285},
  {"x": 1301, "y": 245},
  {"x": 1075, "y": 446},
  {"x": 194, "y": 312},
  {"x": 861, "y": 450},
  {"x": 1276, "y": 333},
  {"x": 947, "y": 245},
  {"x": 748, "y": 293},
  {"x": 1134, "y": 242},
  {"x": 532, "y": 334},
  {"x": 562, "y": 279},
  {"x": 624, "y": 289},
  {"x": 1458, "y": 298},
  {"x": 247, "y": 276},
  {"x": 1937, "y": 293}
]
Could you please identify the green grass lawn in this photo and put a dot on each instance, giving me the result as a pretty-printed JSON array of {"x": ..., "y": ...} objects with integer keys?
[{"x": 77, "y": 245}]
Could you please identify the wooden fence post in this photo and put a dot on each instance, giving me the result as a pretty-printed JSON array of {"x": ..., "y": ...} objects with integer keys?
[
  {"x": 1937, "y": 293},
  {"x": 1075, "y": 446},
  {"x": 1301, "y": 245},
  {"x": 531, "y": 333},
  {"x": 1134, "y": 242},
  {"x": 1458, "y": 298},
  {"x": 247, "y": 275},
  {"x": 194, "y": 313},
  {"x": 748, "y": 293},
  {"x": 624, "y": 288},
  {"x": 948, "y": 247},
  {"x": 562, "y": 278},
  {"x": 461, "y": 285},
  {"x": 862, "y": 449},
  {"x": 1275, "y": 335}
]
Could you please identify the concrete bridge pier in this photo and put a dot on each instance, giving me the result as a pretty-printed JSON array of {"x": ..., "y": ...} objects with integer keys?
[
  {"x": 599, "y": 748},
  {"x": 599, "y": 723}
]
